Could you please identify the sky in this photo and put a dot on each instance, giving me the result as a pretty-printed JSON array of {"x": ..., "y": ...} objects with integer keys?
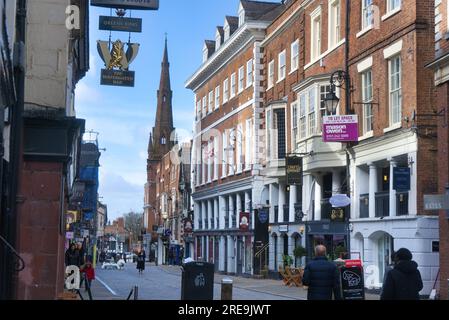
[{"x": 124, "y": 117}]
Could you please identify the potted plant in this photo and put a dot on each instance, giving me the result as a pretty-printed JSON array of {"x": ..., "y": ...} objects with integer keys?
[
  {"x": 288, "y": 261},
  {"x": 300, "y": 252}
]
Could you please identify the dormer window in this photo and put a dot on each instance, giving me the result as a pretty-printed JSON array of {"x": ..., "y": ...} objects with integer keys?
[
  {"x": 227, "y": 31},
  {"x": 205, "y": 53},
  {"x": 241, "y": 17},
  {"x": 217, "y": 40}
]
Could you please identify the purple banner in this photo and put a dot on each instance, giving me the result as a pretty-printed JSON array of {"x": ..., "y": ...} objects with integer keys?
[{"x": 340, "y": 128}]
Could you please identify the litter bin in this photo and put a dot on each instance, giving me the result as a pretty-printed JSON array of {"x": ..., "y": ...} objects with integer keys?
[{"x": 197, "y": 281}]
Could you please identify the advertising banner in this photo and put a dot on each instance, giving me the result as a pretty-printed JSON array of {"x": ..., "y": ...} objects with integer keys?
[{"x": 340, "y": 128}]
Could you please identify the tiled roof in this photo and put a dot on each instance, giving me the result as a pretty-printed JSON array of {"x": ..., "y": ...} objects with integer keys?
[{"x": 255, "y": 10}]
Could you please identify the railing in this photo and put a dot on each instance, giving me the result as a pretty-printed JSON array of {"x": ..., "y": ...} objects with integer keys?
[
  {"x": 212, "y": 224},
  {"x": 200, "y": 225},
  {"x": 286, "y": 213},
  {"x": 276, "y": 214},
  {"x": 206, "y": 224},
  {"x": 364, "y": 206},
  {"x": 234, "y": 222},
  {"x": 299, "y": 215},
  {"x": 402, "y": 203},
  {"x": 19, "y": 263},
  {"x": 226, "y": 219},
  {"x": 382, "y": 204},
  {"x": 262, "y": 253}
]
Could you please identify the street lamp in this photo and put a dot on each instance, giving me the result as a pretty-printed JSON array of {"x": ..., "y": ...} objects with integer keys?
[{"x": 331, "y": 102}]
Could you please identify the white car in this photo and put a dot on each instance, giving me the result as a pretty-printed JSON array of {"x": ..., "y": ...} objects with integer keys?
[{"x": 119, "y": 265}]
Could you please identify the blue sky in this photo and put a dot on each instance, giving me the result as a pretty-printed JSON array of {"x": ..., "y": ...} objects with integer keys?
[{"x": 125, "y": 116}]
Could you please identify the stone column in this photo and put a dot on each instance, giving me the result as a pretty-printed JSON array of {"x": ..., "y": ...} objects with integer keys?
[
  {"x": 222, "y": 251},
  {"x": 248, "y": 208},
  {"x": 216, "y": 214},
  {"x": 293, "y": 199},
  {"x": 372, "y": 189},
  {"x": 318, "y": 196},
  {"x": 281, "y": 202},
  {"x": 239, "y": 209},
  {"x": 221, "y": 211},
  {"x": 196, "y": 214},
  {"x": 231, "y": 255},
  {"x": 203, "y": 213},
  {"x": 231, "y": 209},
  {"x": 273, "y": 199},
  {"x": 392, "y": 191},
  {"x": 209, "y": 213}
]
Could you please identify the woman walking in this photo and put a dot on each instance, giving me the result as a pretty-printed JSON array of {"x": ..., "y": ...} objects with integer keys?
[{"x": 141, "y": 262}]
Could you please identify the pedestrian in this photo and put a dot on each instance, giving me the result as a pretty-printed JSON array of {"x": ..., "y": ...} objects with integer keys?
[
  {"x": 89, "y": 273},
  {"x": 124, "y": 257},
  {"x": 72, "y": 257},
  {"x": 389, "y": 267},
  {"x": 404, "y": 281},
  {"x": 141, "y": 261},
  {"x": 322, "y": 277}
]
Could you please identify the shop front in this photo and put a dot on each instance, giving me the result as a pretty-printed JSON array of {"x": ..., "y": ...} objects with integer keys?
[{"x": 333, "y": 235}]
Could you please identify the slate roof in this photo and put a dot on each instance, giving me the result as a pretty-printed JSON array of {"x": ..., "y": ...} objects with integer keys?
[{"x": 256, "y": 10}]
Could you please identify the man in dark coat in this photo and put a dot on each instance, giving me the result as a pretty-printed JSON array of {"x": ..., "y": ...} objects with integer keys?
[
  {"x": 72, "y": 257},
  {"x": 322, "y": 277},
  {"x": 404, "y": 281}
]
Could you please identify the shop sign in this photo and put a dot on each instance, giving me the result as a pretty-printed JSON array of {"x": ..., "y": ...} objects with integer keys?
[
  {"x": 127, "y": 4},
  {"x": 352, "y": 283},
  {"x": 120, "y": 24},
  {"x": 340, "y": 200},
  {"x": 401, "y": 179},
  {"x": 337, "y": 214},
  {"x": 293, "y": 168},
  {"x": 263, "y": 215},
  {"x": 340, "y": 128},
  {"x": 244, "y": 221},
  {"x": 283, "y": 228}
]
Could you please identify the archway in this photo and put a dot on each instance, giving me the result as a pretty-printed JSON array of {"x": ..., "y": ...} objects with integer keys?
[
  {"x": 359, "y": 246},
  {"x": 382, "y": 244}
]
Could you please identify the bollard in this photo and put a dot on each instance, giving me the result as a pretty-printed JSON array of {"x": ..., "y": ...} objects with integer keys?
[
  {"x": 226, "y": 289},
  {"x": 136, "y": 293}
]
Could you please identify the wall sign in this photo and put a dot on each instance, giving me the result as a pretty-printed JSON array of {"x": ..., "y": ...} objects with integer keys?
[
  {"x": 293, "y": 168},
  {"x": 401, "y": 179},
  {"x": 127, "y": 4},
  {"x": 340, "y": 128},
  {"x": 120, "y": 24}
]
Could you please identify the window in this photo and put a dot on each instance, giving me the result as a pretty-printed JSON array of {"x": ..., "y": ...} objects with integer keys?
[
  {"x": 163, "y": 140},
  {"x": 233, "y": 84},
  {"x": 215, "y": 157},
  {"x": 225, "y": 90},
  {"x": 217, "y": 97},
  {"x": 394, "y": 70},
  {"x": 209, "y": 161},
  {"x": 281, "y": 66},
  {"x": 312, "y": 108},
  {"x": 248, "y": 141},
  {"x": 334, "y": 23},
  {"x": 324, "y": 91},
  {"x": 294, "y": 124},
  {"x": 230, "y": 151},
  {"x": 227, "y": 31},
  {"x": 205, "y": 54},
  {"x": 393, "y": 5},
  {"x": 367, "y": 14},
  {"x": 241, "y": 78},
  {"x": 367, "y": 98},
  {"x": 238, "y": 146},
  {"x": 211, "y": 102},
  {"x": 203, "y": 162},
  {"x": 241, "y": 17},
  {"x": 224, "y": 163},
  {"x": 249, "y": 73},
  {"x": 217, "y": 40},
  {"x": 198, "y": 107},
  {"x": 271, "y": 74},
  {"x": 302, "y": 116},
  {"x": 294, "y": 57},
  {"x": 276, "y": 147},
  {"x": 204, "y": 106},
  {"x": 316, "y": 35}
]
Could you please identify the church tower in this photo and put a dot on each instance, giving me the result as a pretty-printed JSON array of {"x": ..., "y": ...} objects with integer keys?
[{"x": 161, "y": 141}]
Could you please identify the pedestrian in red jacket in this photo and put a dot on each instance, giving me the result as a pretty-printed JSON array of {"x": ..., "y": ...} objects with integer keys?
[{"x": 89, "y": 273}]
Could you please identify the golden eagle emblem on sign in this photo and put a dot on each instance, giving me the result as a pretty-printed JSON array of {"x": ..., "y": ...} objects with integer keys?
[{"x": 116, "y": 58}]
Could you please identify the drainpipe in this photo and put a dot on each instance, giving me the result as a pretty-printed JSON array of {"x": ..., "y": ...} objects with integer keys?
[{"x": 347, "y": 111}]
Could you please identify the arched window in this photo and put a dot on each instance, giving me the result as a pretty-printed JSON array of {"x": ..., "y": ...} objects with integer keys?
[
  {"x": 163, "y": 140},
  {"x": 164, "y": 98}
]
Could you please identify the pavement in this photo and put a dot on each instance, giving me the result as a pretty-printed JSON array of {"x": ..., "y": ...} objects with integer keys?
[{"x": 164, "y": 283}]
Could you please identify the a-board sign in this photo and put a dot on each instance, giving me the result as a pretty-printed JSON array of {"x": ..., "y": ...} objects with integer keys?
[{"x": 352, "y": 283}]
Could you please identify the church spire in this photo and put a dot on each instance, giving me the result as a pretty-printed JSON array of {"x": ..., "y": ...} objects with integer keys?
[{"x": 163, "y": 127}]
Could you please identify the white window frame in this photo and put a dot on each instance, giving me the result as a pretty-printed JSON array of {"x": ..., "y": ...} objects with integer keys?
[
  {"x": 272, "y": 138},
  {"x": 241, "y": 79},
  {"x": 231, "y": 152},
  {"x": 217, "y": 97},
  {"x": 233, "y": 85},
  {"x": 294, "y": 56},
  {"x": 393, "y": 5},
  {"x": 315, "y": 34},
  {"x": 270, "y": 79},
  {"x": 248, "y": 144},
  {"x": 392, "y": 91},
  {"x": 249, "y": 73},
  {"x": 198, "y": 108},
  {"x": 217, "y": 40},
  {"x": 302, "y": 103},
  {"x": 282, "y": 65},
  {"x": 334, "y": 23},
  {"x": 367, "y": 14},
  {"x": 239, "y": 147},
  {"x": 209, "y": 161},
  {"x": 211, "y": 102},
  {"x": 225, "y": 90},
  {"x": 224, "y": 162},
  {"x": 204, "y": 113},
  {"x": 216, "y": 158},
  {"x": 294, "y": 123},
  {"x": 367, "y": 99}
]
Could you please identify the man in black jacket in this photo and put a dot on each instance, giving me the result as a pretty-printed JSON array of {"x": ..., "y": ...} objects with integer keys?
[
  {"x": 322, "y": 277},
  {"x": 404, "y": 281}
]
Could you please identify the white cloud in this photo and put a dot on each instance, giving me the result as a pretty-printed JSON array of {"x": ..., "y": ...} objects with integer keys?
[{"x": 87, "y": 94}]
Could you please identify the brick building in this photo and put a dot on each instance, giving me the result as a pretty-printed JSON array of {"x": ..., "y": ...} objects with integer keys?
[
  {"x": 228, "y": 134},
  {"x": 440, "y": 66}
]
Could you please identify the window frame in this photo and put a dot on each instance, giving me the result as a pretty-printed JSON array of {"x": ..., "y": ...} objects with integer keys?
[
  {"x": 249, "y": 73},
  {"x": 294, "y": 106},
  {"x": 390, "y": 9},
  {"x": 334, "y": 23},
  {"x": 393, "y": 91},
  {"x": 270, "y": 78},
  {"x": 225, "y": 90},
  {"x": 315, "y": 37},
  {"x": 233, "y": 85},
  {"x": 217, "y": 97},
  {"x": 241, "y": 79},
  {"x": 210, "y": 106},
  {"x": 367, "y": 99},
  {"x": 282, "y": 68},
  {"x": 294, "y": 58},
  {"x": 367, "y": 14}
]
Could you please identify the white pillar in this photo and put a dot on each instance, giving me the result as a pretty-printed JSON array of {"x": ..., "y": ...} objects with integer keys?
[
  {"x": 196, "y": 214},
  {"x": 307, "y": 193},
  {"x": 290, "y": 247},
  {"x": 318, "y": 198},
  {"x": 216, "y": 213},
  {"x": 203, "y": 213},
  {"x": 291, "y": 206},
  {"x": 271, "y": 252},
  {"x": 231, "y": 209},
  {"x": 206, "y": 254},
  {"x": 412, "y": 196},
  {"x": 209, "y": 213},
  {"x": 392, "y": 191},
  {"x": 160, "y": 252},
  {"x": 221, "y": 259},
  {"x": 280, "y": 250},
  {"x": 231, "y": 255},
  {"x": 372, "y": 189},
  {"x": 281, "y": 202},
  {"x": 221, "y": 211},
  {"x": 248, "y": 208},
  {"x": 336, "y": 182},
  {"x": 239, "y": 209}
]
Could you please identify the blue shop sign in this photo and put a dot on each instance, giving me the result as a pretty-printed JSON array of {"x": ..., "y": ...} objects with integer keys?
[
  {"x": 401, "y": 179},
  {"x": 263, "y": 215}
]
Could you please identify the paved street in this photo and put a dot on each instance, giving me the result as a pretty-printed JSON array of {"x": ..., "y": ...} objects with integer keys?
[{"x": 164, "y": 283}]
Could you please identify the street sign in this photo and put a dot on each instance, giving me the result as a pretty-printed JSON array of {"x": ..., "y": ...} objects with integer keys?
[
  {"x": 340, "y": 128},
  {"x": 127, "y": 4},
  {"x": 340, "y": 200},
  {"x": 436, "y": 202},
  {"x": 120, "y": 24},
  {"x": 293, "y": 167},
  {"x": 117, "y": 78},
  {"x": 401, "y": 179}
]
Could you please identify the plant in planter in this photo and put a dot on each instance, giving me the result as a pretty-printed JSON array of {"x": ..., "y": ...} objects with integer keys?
[
  {"x": 288, "y": 261},
  {"x": 300, "y": 252}
]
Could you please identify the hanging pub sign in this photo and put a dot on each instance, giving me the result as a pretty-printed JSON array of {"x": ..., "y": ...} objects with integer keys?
[
  {"x": 127, "y": 4},
  {"x": 293, "y": 167},
  {"x": 244, "y": 221},
  {"x": 401, "y": 179},
  {"x": 120, "y": 24},
  {"x": 117, "y": 63}
]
